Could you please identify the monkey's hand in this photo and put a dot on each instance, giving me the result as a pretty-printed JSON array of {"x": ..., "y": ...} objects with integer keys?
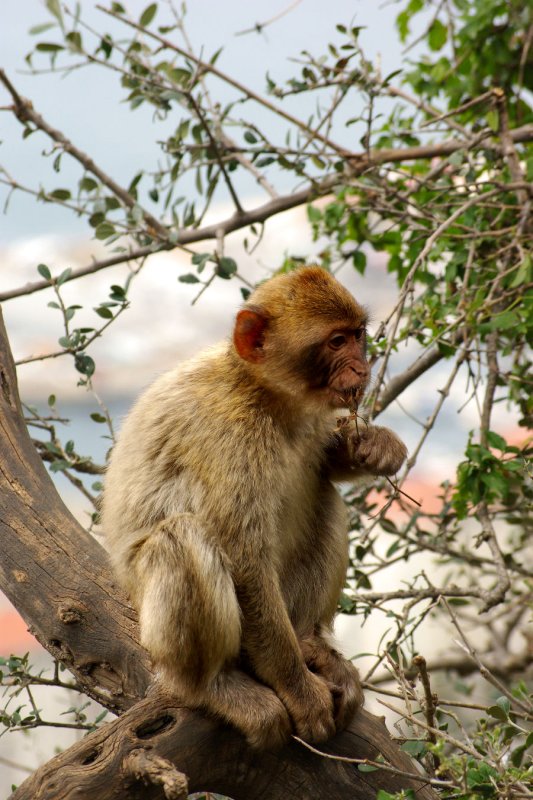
[
  {"x": 310, "y": 706},
  {"x": 375, "y": 450},
  {"x": 340, "y": 673}
]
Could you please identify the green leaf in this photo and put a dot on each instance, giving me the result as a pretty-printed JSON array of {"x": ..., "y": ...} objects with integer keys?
[
  {"x": 60, "y": 194},
  {"x": 437, "y": 35},
  {"x": 104, "y": 312},
  {"x": 200, "y": 258},
  {"x": 148, "y": 15},
  {"x": 445, "y": 349},
  {"x": 87, "y": 184},
  {"x": 49, "y": 47},
  {"x": 504, "y": 321},
  {"x": 188, "y": 278},
  {"x": 43, "y": 270},
  {"x": 59, "y": 465},
  {"x": 96, "y": 417},
  {"x": 52, "y": 400},
  {"x": 457, "y": 158},
  {"x": 65, "y": 275},
  {"x": 366, "y": 768},
  {"x": 318, "y": 162},
  {"x": 314, "y": 214},
  {"x": 96, "y": 219},
  {"x": 416, "y": 748},
  {"x": 69, "y": 312},
  {"x": 250, "y": 137},
  {"x": 498, "y": 713},
  {"x": 117, "y": 293},
  {"x": 391, "y": 75},
  {"x": 495, "y": 440},
  {"x": 104, "y": 230},
  {"x": 226, "y": 268},
  {"x": 54, "y": 8},
  {"x": 84, "y": 364},
  {"x": 74, "y": 39},
  {"x": 504, "y": 703},
  {"x": 524, "y": 273},
  {"x": 41, "y": 28},
  {"x": 359, "y": 261},
  {"x": 393, "y": 548}
]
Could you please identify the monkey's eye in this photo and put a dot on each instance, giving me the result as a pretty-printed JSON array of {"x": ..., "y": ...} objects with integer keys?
[
  {"x": 337, "y": 341},
  {"x": 359, "y": 332}
]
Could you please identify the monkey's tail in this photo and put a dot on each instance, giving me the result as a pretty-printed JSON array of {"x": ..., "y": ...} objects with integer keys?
[{"x": 189, "y": 613}]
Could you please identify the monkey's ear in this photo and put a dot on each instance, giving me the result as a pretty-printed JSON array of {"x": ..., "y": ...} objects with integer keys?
[{"x": 249, "y": 334}]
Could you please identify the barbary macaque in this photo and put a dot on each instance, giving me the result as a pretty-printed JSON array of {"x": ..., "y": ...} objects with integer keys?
[{"x": 222, "y": 520}]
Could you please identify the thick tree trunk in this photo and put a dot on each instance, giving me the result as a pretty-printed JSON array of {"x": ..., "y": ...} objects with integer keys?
[
  {"x": 58, "y": 577},
  {"x": 55, "y": 573},
  {"x": 217, "y": 759}
]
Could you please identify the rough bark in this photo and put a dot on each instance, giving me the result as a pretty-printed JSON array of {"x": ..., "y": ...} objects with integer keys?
[
  {"x": 55, "y": 573},
  {"x": 217, "y": 759},
  {"x": 58, "y": 577}
]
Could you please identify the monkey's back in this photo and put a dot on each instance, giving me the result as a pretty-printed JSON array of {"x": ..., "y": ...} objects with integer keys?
[{"x": 200, "y": 441}]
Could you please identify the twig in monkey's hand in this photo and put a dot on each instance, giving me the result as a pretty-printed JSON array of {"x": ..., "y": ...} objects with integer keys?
[
  {"x": 344, "y": 422},
  {"x": 401, "y": 491}
]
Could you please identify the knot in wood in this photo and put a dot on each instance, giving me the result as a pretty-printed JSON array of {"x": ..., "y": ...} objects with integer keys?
[
  {"x": 146, "y": 766},
  {"x": 69, "y": 613}
]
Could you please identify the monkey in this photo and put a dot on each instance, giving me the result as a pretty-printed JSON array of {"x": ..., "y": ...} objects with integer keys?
[{"x": 223, "y": 522}]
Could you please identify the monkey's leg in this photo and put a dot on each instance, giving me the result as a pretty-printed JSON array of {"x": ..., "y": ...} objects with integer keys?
[
  {"x": 190, "y": 624},
  {"x": 189, "y": 615}
]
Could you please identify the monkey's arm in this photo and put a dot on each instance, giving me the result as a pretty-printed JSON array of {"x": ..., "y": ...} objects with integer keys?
[
  {"x": 273, "y": 650},
  {"x": 373, "y": 450}
]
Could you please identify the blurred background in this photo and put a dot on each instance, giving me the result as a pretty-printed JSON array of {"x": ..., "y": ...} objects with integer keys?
[{"x": 162, "y": 327}]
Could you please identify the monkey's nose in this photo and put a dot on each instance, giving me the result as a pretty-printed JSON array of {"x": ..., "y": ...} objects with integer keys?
[{"x": 361, "y": 371}]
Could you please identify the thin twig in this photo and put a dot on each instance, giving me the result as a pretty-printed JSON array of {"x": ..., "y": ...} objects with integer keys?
[
  {"x": 24, "y": 111},
  {"x": 378, "y": 764},
  {"x": 260, "y": 26},
  {"x": 207, "y": 67},
  {"x": 484, "y": 671}
]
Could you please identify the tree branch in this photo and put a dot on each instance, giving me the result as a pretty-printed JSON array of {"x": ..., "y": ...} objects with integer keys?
[
  {"x": 216, "y": 759},
  {"x": 56, "y": 574},
  {"x": 207, "y": 67},
  {"x": 263, "y": 212},
  {"x": 24, "y": 111}
]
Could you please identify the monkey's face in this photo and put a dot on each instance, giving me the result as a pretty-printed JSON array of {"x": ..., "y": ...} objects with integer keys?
[
  {"x": 304, "y": 337},
  {"x": 336, "y": 369}
]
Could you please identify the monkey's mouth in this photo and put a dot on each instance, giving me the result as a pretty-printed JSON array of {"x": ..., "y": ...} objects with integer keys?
[{"x": 348, "y": 397}]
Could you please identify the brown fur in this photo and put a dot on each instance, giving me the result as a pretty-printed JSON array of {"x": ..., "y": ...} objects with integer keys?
[{"x": 224, "y": 526}]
